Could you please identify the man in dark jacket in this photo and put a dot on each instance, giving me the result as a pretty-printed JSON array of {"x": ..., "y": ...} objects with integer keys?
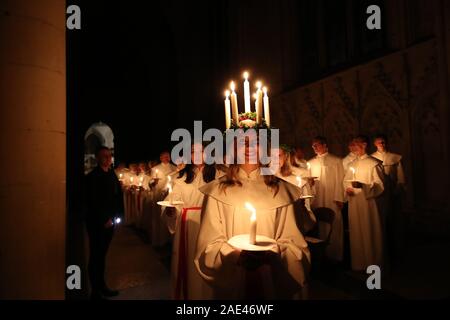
[{"x": 104, "y": 207}]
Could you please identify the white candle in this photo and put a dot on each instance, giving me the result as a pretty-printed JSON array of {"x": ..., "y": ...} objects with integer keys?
[
  {"x": 169, "y": 187},
  {"x": 259, "y": 103},
  {"x": 246, "y": 92},
  {"x": 234, "y": 105},
  {"x": 227, "y": 110},
  {"x": 266, "y": 107},
  {"x": 353, "y": 170},
  {"x": 249, "y": 207}
]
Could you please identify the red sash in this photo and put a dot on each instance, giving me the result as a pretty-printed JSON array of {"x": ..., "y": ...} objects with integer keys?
[{"x": 182, "y": 277}]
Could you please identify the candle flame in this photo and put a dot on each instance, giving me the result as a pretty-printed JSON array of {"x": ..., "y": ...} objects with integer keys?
[
  {"x": 120, "y": 175},
  {"x": 249, "y": 207},
  {"x": 227, "y": 93},
  {"x": 299, "y": 181},
  {"x": 352, "y": 170},
  {"x": 232, "y": 86},
  {"x": 142, "y": 179},
  {"x": 258, "y": 84},
  {"x": 245, "y": 75},
  {"x": 169, "y": 187},
  {"x": 308, "y": 165},
  {"x": 131, "y": 179}
]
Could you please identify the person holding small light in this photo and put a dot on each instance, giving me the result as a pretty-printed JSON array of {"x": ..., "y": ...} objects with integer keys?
[
  {"x": 363, "y": 189},
  {"x": 104, "y": 203}
]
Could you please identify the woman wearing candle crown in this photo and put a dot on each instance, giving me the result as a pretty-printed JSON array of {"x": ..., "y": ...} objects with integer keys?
[{"x": 280, "y": 273}]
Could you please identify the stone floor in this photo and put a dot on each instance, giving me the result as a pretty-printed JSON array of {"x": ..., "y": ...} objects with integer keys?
[{"x": 141, "y": 272}]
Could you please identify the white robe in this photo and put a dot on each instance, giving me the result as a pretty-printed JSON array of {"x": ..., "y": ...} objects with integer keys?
[
  {"x": 389, "y": 202},
  {"x": 365, "y": 226},
  {"x": 328, "y": 188},
  {"x": 189, "y": 221},
  {"x": 159, "y": 233},
  {"x": 303, "y": 214},
  {"x": 346, "y": 161},
  {"x": 224, "y": 216}
]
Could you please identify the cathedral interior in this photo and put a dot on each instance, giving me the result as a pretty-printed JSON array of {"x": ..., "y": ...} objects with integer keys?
[{"x": 147, "y": 68}]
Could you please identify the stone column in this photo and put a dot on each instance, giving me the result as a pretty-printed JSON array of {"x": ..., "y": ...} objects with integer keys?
[{"x": 32, "y": 149}]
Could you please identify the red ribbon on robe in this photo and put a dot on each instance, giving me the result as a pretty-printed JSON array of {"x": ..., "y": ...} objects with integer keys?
[{"x": 182, "y": 276}]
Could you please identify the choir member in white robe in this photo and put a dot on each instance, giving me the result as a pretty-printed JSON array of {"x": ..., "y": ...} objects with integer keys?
[
  {"x": 351, "y": 156},
  {"x": 280, "y": 273},
  {"x": 162, "y": 172},
  {"x": 329, "y": 193},
  {"x": 184, "y": 222},
  {"x": 390, "y": 203},
  {"x": 362, "y": 188},
  {"x": 299, "y": 177}
]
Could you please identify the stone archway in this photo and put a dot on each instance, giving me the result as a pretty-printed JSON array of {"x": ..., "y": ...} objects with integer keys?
[{"x": 99, "y": 134}]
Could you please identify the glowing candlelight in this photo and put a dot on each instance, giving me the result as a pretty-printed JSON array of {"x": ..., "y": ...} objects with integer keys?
[
  {"x": 131, "y": 180},
  {"x": 227, "y": 110},
  {"x": 353, "y": 170},
  {"x": 259, "y": 103},
  {"x": 234, "y": 105},
  {"x": 246, "y": 92},
  {"x": 308, "y": 165},
  {"x": 266, "y": 107},
  {"x": 117, "y": 220},
  {"x": 249, "y": 207}
]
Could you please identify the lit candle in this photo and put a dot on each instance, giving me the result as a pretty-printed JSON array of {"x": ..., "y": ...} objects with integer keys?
[
  {"x": 234, "y": 105},
  {"x": 259, "y": 102},
  {"x": 255, "y": 96},
  {"x": 266, "y": 107},
  {"x": 131, "y": 180},
  {"x": 246, "y": 92},
  {"x": 169, "y": 188},
  {"x": 227, "y": 110},
  {"x": 120, "y": 176},
  {"x": 249, "y": 207},
  {"x": 308, "y": 165},
  {"x": 353, "y": 170}
]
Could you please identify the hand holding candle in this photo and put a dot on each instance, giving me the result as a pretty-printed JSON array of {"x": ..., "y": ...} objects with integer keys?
[{"x": 249, "y": 207}]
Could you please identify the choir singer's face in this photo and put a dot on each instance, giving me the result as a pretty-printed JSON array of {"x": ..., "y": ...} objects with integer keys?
[
  {"x": 164, "y": 157},
  {"x": 360, "y": 147},
  {"x": 380, "y": 143},
  {"x": 318, "y": 147}
]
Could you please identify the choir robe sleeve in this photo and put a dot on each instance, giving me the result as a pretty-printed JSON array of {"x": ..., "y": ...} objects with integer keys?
[
  {"x": 214, "y": 259},
  {"x": 339, "y": 192},
  {"x": 376, "y": 185}
]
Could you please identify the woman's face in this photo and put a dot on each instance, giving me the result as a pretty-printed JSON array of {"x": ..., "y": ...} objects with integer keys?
[
  {"x": 248, "y": 151},
  {"x": 197, "y": 158}
]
